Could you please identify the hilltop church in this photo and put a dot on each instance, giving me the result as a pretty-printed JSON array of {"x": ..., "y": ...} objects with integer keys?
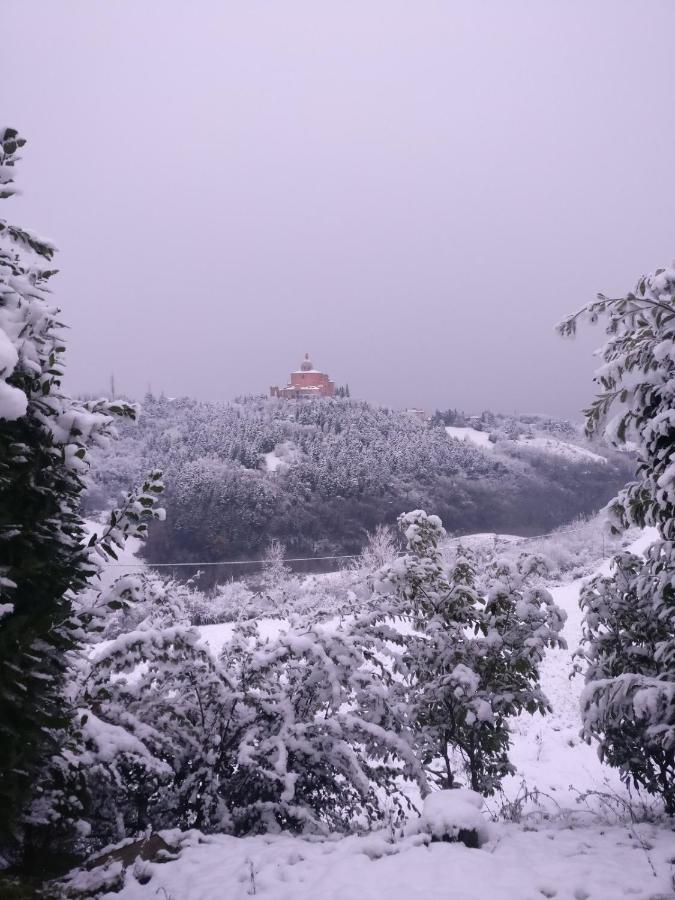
[{"x": 307, "y": 383}]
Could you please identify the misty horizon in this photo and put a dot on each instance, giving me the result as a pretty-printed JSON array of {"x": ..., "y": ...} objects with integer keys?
[{"x": 415, "y": 200}]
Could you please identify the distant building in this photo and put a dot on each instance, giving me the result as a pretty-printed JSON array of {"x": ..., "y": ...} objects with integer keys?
[{"x": 307, "y": 383}]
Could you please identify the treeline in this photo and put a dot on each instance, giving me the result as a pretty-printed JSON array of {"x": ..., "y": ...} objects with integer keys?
[{"x": 318, "y": 476}]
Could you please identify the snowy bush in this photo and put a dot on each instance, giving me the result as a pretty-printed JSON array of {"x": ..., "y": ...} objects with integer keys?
[
  {"x": 295, "y": 733},
  {"x": 465, "y": 663},
  {"x": 324, "y": 751},
  {"x": 228, "y": 602},
  {"x": 146, "y": 600},
  {"x": 380, "y": 550},
  {"x": 629, "y": 644},
  {"x": 158, "y": 718},
  {"x": 628, "y": 704}
]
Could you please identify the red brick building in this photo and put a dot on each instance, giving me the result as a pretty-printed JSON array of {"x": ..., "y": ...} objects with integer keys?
[{"x": 307, "y": 383}]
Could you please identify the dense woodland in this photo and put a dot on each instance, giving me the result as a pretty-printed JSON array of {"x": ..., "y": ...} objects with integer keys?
[{"x": 318, "y": 476}]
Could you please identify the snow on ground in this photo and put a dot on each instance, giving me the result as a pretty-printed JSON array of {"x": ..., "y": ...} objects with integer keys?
[
  {"x": 272, "y": 461},
  {"x": 547, "y": 750},
  {"x": 216, "y": 636},
  {"x": 515, "y": 864},
  {"x": 283, "y": 455},
  {"x": 562, "y": 448},
  {"x": 479, "y": 438},
  {"x": 550, "y": 445},
  {"x": 554, "y": 847}
]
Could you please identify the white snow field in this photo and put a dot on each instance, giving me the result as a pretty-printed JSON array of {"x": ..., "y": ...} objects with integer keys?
[
  {"x": 562, "y": 448},
  {"x": 551, "y": 445},
  {"x": 479, "y": 438},
  {"x": 554, "y": 843}
]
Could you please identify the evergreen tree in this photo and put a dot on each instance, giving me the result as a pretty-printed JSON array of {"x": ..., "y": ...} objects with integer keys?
[
  {"x": 629, "y": 634},
  {"x": 44, "y": 438}
]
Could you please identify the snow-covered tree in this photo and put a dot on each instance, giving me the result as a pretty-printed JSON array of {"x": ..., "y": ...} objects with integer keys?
[
  {"x": 465, "y": 663},
  {"x": 379, "y": 550},
  {"x": 44, "y": 440},
  {"x": 275, "y": 570},
  {"x": 629, "y": 634}
]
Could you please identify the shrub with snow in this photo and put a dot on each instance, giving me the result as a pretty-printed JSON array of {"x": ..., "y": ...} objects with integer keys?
[
  {"x": 628, "y": 704},
  {"x": 324, "y": 751},
  {"x": 629, "y": 633},
  {"x": 464, "y": 662}
]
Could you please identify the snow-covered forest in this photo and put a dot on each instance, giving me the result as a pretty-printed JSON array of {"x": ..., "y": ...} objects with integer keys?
[
  {"x": 318, "y": 477},
  {"x": 325, "y": 645}
]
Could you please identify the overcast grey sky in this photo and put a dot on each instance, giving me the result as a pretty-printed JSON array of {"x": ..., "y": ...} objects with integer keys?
[{"x": 414, "y": 192}]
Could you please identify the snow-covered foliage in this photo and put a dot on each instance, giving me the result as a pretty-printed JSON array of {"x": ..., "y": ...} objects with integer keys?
[
  {"x": 325, "y": 750},
  {"x": 45, "y": 439},
  {"x": 629, "y": 637},
  {"x": 293, "y": 732},
  {"x": 318, "y": 476},
  {"x": 628, "y": 704},
  {"x": 465, "y": 662},
  {"x": 636, "y": 392},
  {"x": 575, "y": 549},
  {"x": 563, "y": 826},
  {"x": 154, "y": 725},
  {"x": 274, "y": 569}
]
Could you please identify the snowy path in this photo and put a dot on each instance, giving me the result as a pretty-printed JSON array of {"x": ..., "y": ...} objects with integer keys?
[{"x": 548, "y": 752}]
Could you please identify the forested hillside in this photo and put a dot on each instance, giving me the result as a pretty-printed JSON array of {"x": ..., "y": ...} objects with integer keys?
[{"x": 318, "y": 476}]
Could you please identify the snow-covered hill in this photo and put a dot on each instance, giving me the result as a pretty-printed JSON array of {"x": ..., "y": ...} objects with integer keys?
[
  {"x": 472, "y": 435},
  {"x": 557, "y": 841},
  {"x": 552, "y": 445}
]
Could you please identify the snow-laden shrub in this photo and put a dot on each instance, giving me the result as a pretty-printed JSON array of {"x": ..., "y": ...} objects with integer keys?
[
  {"x": 228, "y": 602},
  {"x": 296, "y": 732},
  {"x": 146, "y": 600},
  {"x": 569, "y": 552},
  {"x": 158, "y": 720},
  {"x": 324, "y": 751},
  {"x": 312, "y": 596},
  {"x": 464, "y": 662},
  {"x": 380, "y": 549},
  {"x": 629, "y": 632},
  {"x": 628, "y": 704}
]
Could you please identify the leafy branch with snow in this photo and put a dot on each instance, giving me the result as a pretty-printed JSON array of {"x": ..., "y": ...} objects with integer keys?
[{"x": 628, "y": 647}]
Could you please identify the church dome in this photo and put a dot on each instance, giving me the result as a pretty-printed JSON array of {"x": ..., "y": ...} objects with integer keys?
[{"x": 307, "y": 364}]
